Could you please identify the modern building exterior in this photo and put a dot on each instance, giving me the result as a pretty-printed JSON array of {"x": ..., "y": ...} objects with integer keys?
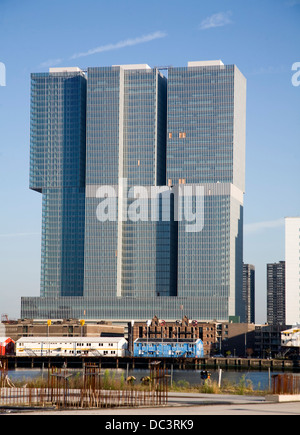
[
  {"x": 249, "y": 292},
  {"x": 126, "y": 148},
  {"x": 143, "y": 180},
  {"x": 292, "y": 258},
  {"x": 57, "y": 171},
  {"x": 276, "y": 293},
  {"x": 206, "y": 146}
]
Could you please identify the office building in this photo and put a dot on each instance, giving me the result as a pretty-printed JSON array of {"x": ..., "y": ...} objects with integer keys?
[
  {"x": 276, "y": 293},
  {"x": 57, "y": 171},
  {"x": 292, "y": 258},
  {"x": 101, "y": 142},
  {"x": 126, "y": 131},
  {"x": 206, "y": 146},
  {"x": 249, "y": 292}
]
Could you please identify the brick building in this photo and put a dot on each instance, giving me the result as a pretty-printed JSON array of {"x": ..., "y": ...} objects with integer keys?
[
  {"x": 61, "y": 328},
  {"x": 183, "y": 329}
]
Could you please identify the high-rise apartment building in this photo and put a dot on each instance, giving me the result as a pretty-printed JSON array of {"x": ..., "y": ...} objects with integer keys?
[
  {"x": 124, "y": 142},
  {"x": 249, "y": 292},
  {"x": 276, "y": 293},
  {"x": 292, "y": 258}
]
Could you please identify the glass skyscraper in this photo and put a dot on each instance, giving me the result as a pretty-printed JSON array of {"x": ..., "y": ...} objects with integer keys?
[
  {"x": 57, "y": 170},
  {"x": 206, "y": 145},
  {"x": 102, "y": 142}
]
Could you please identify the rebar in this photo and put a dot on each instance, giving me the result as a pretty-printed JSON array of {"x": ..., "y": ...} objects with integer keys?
[{"x": 91, "y": 394}]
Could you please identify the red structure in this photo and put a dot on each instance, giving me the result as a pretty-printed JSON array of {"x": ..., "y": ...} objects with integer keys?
[{"x": 7, "y": 346}]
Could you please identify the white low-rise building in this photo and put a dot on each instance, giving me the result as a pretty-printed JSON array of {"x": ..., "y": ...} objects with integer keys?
[
  {"x": 291, "y": 337},
  {"x": 72, "y": 346}
]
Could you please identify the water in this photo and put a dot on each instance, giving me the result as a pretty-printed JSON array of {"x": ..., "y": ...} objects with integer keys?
[{"x": 259, "y": 380}]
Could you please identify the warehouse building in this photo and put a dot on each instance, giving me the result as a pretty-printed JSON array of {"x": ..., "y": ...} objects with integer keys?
[
  {"x": 169, "y": 348},
  {"x": 71, "y": 346}
]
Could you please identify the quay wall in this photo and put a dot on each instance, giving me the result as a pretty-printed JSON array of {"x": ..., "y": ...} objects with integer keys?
[{"x": 13, "y": 362}]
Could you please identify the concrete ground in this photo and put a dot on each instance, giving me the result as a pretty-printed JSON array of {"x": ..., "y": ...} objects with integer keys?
[{"x": 191, "y": 405}]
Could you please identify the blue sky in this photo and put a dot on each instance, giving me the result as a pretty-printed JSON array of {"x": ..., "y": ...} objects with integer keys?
[{"x": 262, "y": 37}]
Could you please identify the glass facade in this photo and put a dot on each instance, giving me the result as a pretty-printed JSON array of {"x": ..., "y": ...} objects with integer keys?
[
  {"x": 142, "y": 131},
  {"x": 57, "y": 170},
  {"x": 204, "y": 142},
  {"x": 126, "y": 139}
]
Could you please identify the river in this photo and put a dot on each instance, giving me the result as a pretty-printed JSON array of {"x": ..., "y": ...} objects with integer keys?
[{"x": 259, "y": 380}]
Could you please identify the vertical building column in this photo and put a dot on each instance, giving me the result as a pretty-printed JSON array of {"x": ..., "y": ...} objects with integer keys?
[{"x": 122, "y": 186}]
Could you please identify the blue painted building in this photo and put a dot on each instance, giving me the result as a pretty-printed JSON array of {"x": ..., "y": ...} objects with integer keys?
[{"x": 172, "y": 348}]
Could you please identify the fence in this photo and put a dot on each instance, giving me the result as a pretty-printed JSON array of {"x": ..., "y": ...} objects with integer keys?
[
  {"x": 92, "y": 393},
  {"x": 63, "y": 399},
  {"x": 286, "y": 384}
]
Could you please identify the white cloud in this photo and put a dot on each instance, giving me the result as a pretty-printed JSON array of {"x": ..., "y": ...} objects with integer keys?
[
  {"x": 121, "y": 44},
  {"x": 217, "y": 20},
  {"x": 109, "y": 47},
  {"x": 261, "y": 226}
]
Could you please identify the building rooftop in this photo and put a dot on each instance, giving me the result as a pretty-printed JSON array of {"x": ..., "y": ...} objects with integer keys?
[
  {"x": 69, "y": 339},
  {"x": 70, "y": 69},
  {"x": 206, "y": 63},
  {"x": 167, "y": 340}
]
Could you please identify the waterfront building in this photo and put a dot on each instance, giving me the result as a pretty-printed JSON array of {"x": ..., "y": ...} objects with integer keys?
[
  {"x": 292, "y": 258},
  {"x": 183, "y": 329},
  {"x": 101, "y": 140},
  {"x": 168, "y": 348},
  {"x": 291, "y": 337},
  {"x": 61, "y": 328},
  {"x": 71, "y": 346},
  {"x": 276, "y": 293},
  {"x": 217, "y": 338},
  {"x": 268, "y": 340}
]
